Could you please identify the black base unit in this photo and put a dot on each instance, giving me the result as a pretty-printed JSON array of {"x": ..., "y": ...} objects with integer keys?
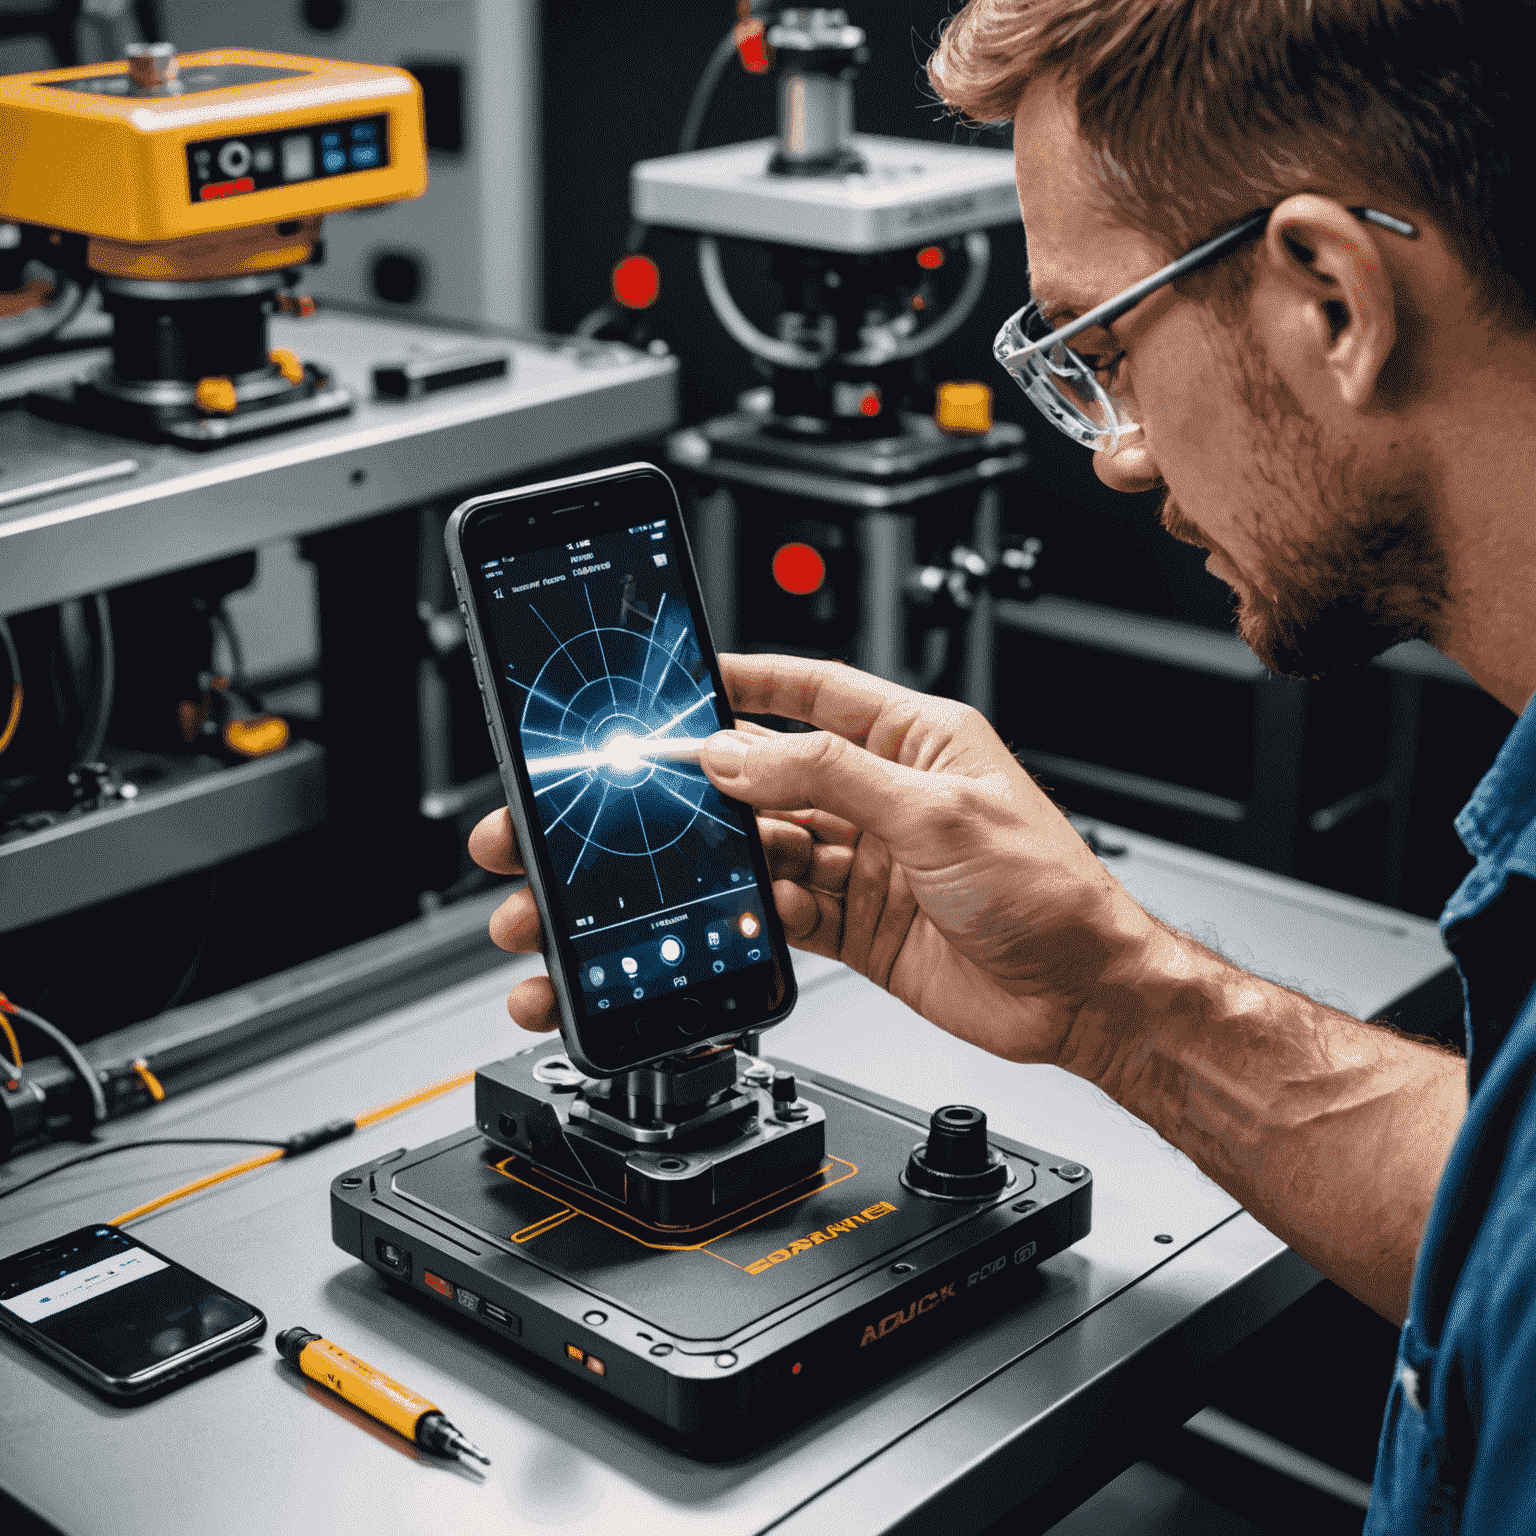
[{"x": 725, "y": 1334}]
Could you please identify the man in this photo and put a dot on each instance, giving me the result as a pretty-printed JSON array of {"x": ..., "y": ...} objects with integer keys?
[{"x": 1341, "y": 403}]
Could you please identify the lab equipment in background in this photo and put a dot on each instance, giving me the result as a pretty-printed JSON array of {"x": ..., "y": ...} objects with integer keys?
[
  {"x": 847, "y": 473},
  {"x": 471, "y": 249},
  {"x": 196, "y": 190}
]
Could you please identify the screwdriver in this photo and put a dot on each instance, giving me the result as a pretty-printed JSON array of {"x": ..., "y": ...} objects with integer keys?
[{"x": 406, "y": 1412}]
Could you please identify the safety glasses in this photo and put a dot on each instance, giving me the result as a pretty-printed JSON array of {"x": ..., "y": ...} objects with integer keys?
[{"x": 1074, "y": 393}]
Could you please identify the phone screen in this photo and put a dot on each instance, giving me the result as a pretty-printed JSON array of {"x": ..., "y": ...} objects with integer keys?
[
  {"x": 115, "y": 1305},
  {"x": 654, "y": 879}
]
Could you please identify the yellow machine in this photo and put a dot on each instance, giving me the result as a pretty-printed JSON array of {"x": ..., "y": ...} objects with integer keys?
[{"x": 192, "y": 190}]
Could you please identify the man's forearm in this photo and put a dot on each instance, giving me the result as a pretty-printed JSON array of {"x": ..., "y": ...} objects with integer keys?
[{"x": 1333, "y": 1133}]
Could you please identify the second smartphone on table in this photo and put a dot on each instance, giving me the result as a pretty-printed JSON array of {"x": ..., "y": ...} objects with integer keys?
[{"x": 589, "y": 640}]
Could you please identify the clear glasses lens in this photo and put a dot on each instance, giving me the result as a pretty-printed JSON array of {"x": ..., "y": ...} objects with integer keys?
[{"x": 1062, "y": 387}]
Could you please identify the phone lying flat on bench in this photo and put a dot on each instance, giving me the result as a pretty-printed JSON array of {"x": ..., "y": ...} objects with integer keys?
[
  {"x": 589, "y": 641},
  {"x": 117, "y": 1315}
]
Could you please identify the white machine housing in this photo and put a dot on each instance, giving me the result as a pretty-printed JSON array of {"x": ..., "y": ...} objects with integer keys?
[{"x": 912, "y": 192}]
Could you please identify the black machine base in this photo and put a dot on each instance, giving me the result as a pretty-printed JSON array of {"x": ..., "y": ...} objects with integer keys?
[
  {"x": 896, "y": 469},
  {"x": 725, "y": 1333},
  {"x": 314, "y": 398}
]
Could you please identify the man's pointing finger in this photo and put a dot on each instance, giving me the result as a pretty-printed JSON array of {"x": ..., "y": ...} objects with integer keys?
[{"x": 820, "y": 770}]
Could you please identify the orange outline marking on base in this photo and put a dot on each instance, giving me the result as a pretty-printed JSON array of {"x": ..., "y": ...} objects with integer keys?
[
  {"x": 544, "y": 1226},
  {"x": 539, "y": 1228}
]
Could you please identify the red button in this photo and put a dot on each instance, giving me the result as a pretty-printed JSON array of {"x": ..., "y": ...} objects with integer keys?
[
  {"x": 636, "y": 282},
  {"x": 438, "y": 1284},
  {"x": 227, "y": 188},
  {"x": 799, "y": 569}
]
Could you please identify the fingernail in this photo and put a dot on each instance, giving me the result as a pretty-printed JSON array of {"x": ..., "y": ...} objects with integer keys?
[{"x": 726, "y": 753}]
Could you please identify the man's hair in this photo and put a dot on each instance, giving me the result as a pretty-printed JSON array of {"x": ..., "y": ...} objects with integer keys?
[{"x": 1196, "y": 112}]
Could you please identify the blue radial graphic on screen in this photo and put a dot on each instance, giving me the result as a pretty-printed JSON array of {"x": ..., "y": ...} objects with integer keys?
[{"x": 602, "y": 703}]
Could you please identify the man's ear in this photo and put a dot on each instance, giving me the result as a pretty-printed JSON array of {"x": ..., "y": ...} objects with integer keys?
[{"x": 1331, "y": 278}]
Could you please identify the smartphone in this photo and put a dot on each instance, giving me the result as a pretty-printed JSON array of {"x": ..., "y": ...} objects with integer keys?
[
  {"x": 596, "y": 669},
  {"x": 116, "y": 1314}
]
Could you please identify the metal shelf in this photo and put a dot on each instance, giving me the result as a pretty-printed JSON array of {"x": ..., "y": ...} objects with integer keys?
[
  {"x": 198, "y": 815},
  {"x": 177, "y": 508}
]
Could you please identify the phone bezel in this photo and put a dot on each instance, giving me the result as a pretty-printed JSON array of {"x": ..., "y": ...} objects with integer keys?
[
  {"x": 152, "y": 1377},
  {"x": 751, "y": 998}
]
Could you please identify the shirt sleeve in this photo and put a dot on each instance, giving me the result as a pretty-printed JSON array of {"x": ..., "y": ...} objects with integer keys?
[{"x": 1501, "y": 1379}]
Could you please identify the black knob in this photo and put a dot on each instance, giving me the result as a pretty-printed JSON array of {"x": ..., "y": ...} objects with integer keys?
[
  {"x": 784, "y": 1089},
  {"x": 957, "y": 1139},
  {"x": 955, "y": 1163}
]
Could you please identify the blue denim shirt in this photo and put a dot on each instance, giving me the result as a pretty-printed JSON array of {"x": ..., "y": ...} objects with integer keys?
[{"x": 1458, "y": 1447}]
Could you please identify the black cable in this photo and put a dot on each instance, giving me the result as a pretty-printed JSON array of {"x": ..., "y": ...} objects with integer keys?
[
  {"x": 220, "y": 621},
  {"x": 129, "y": 1146},
  {"x": 190, "y": 974},
  {"x": 11, "y": 702},
  {"x": 106, "y": 681},
  {"x": 44, "y": 341},
  {"x": 704, "y": 92},
  {"x": 72, "y": 1054},
  {"x": 693, "y": 125}
]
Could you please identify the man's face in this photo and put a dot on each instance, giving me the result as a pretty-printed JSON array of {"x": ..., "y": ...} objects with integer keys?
[{"x": 1327, "y": 544}]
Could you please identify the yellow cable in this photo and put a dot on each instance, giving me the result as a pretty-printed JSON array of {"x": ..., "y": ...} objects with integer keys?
[
  {"x": 10, "y": 1037},
  {"x": 17, "y": 695},
  {"x": 207, "y": 1182},
  {"x": 367, "y": 1118},
  {"x": 150, "y": 1081},
  {"x": 411, "y": 1100}
]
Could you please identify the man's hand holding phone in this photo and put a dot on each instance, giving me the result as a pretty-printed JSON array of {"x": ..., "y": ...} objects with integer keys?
[{"x": 906, "y": 841}]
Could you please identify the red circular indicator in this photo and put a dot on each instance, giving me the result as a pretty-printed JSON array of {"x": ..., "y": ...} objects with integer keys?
[
  {"x": 799, "y": 569},
  {"x": 931, "y": 258},
  {"x": 869, "y": 405},
  {"x": 636, "y": 282}
]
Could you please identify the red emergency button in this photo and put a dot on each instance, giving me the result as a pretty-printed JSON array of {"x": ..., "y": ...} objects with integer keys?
[{"x": 438, "y": 1284}]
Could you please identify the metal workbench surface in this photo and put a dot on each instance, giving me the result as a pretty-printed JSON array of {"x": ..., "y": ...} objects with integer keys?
[
  {"x": 178, "y": 507},
  {"x": 1115, "y": 1323}
]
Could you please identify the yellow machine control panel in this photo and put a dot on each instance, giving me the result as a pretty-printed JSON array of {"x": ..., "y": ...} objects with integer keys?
[{"x": 234, "y": 139}]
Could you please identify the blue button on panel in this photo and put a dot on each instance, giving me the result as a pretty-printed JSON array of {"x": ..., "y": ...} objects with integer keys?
[
  {"x": 365, "y": 133},
  {"x": 364, "y": 155},
  {"x": 330, "y": 141},
  {"x": 334, "y": 160}
]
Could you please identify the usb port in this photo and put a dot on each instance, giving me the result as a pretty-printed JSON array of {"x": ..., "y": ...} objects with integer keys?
[{"x": 393, "y": 1257}]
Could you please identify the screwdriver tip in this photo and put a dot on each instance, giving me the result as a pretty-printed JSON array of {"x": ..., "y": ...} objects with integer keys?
[{"x": 469, "y": 1448}]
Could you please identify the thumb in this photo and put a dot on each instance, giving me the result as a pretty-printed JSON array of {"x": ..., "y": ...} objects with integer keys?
[{"x": 784, "y": 771}]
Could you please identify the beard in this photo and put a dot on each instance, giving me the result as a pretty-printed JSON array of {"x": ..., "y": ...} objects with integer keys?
[{"x": 1360, "y": 569}]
